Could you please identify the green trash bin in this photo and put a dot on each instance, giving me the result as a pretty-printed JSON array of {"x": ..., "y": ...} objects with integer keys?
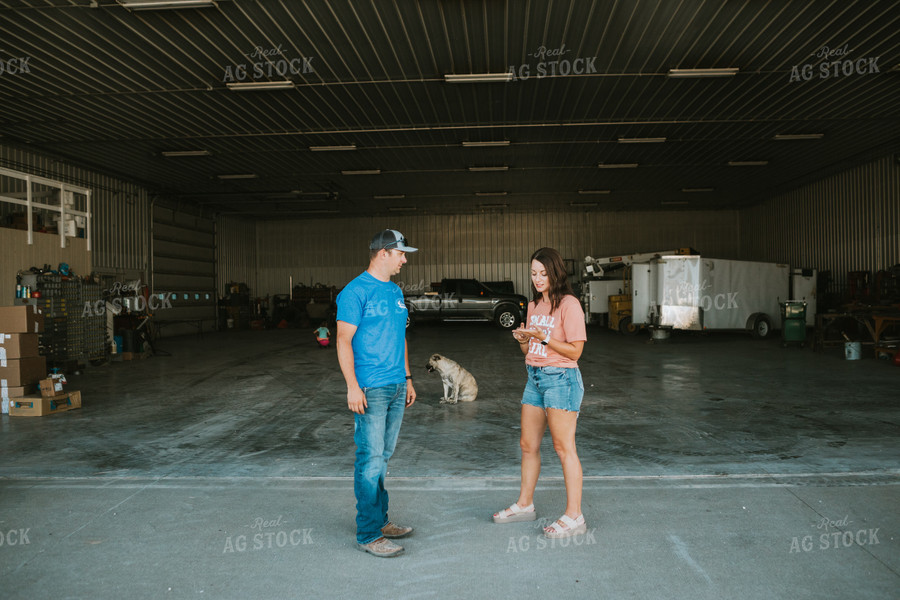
[{"x": 793, "y": 322}]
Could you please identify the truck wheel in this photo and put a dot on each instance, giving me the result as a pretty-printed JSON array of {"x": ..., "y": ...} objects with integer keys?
[
  {"x": 506, "y": 317},
  {"x": 627, "y": 327},
  {"x": 762, "y": 327}
]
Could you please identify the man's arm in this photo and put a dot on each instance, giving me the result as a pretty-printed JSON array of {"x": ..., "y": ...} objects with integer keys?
[
  {"x": 356, "y": 398},
  {"x": 410, "y": 390}
]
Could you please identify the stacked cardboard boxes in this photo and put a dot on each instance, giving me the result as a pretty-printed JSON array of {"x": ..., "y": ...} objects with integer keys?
[
  {"x": 53, "y": 399},
  {"x": 20, "y": 365}
]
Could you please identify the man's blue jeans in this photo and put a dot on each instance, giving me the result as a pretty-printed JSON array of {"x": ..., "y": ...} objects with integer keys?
[{"x": 375, "y": 433}]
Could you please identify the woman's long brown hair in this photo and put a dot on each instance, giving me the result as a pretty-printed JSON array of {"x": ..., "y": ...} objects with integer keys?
[{"x": 556, "y": 273}]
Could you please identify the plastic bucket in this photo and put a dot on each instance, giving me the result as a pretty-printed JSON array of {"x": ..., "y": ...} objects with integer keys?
[
  {"x": 851, "y": 350},
  {"x": 230, "y": 323}
]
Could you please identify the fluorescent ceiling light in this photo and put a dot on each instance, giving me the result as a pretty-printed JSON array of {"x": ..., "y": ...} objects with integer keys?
[
  {"x": 491, "y": 193},
  {"x": 177, "y": 153},
  {"x": 493, "y": 205},
  {"x": 799, "y": 136},
  {"x": 478, "y": 77},
  {"x": 644, "y": 140},
  {"x": 747, "y": 163},
  {"x": 239, "y": 176},
  {"x": 691, "y": 190},
  {"x": 593, "y": 191},
  {"x": 250, "y": 86},
  {"x": 401, "y": 208},
  {"x": 497, "y": 168},
  {"x": 164, "y": 4},
  {"x": 583, "y": 204},
  {"x": 616, "y": 165},
  {"x": 493, "y": 144},
  {"x": 390, "y": 197},
  {"x": 688, "y": 73},
  {"x": 331, "y": 148},
  {"x": 362, "y": 172},
  {"x": 288, "y": 195}
]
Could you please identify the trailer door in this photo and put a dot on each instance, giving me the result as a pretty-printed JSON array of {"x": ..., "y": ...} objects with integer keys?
[
  {"x": 679, "y": 281},
  {"x": 643, "y": 293}
]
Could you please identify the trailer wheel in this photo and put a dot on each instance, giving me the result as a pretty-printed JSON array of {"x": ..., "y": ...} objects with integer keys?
[
  {"x": 762, "y": 327},
  {"x": 506, "y": 317},
  {"x": 627, "y": 327}
]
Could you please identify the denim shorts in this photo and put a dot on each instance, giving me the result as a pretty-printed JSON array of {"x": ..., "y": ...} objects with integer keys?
[{"x": 554, "y": 387}]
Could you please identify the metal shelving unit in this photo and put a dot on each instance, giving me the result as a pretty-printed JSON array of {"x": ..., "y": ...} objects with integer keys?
[{"x": 73, "y": 331}]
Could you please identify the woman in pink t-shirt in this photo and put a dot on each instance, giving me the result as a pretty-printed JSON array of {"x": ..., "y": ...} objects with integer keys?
[{"x": 552, "y": 343}]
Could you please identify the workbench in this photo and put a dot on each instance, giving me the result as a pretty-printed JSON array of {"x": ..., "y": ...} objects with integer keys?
[{"x": 875, "y": 322}]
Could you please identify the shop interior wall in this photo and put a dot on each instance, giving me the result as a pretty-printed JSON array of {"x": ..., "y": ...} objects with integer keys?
[
  {"x": 487, "y": 246},
  {"x": 848, "y": 221},
  {"x": 19, "y": 255},
  {"x": 120, "y": 227}
]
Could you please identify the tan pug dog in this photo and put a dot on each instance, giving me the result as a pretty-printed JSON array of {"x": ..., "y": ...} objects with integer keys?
[{"x": 459, "y": 385}]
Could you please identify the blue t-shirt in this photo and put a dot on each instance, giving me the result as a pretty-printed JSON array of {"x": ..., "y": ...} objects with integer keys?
[{"x": 379, "y": 344}]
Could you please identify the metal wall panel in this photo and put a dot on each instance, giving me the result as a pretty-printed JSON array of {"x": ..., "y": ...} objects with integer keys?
[
  {"x": 849, "y": 221},
  {"x": 120, "y": 226},
  {"x": 490, "y": 246},
  {"x": 236, "y": 256}
]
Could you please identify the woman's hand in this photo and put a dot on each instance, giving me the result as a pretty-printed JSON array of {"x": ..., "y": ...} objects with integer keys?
[
  {"x": 533, "y": 333},
  {"x": 520, "y": 334}
]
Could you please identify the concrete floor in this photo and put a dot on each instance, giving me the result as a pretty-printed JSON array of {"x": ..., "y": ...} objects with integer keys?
[{"x": 715, "y": 467}]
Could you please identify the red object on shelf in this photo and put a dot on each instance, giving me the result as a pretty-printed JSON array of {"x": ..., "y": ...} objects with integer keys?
[{"x": 35, "y": 294}]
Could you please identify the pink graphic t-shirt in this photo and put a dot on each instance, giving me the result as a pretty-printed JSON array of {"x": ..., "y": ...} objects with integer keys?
[{"x": 565, "y": 325}]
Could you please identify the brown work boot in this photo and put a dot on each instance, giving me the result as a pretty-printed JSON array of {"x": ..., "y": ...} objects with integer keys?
[
  {"x": 395, "y": 531},
  {"x": 382, "y": 547}
]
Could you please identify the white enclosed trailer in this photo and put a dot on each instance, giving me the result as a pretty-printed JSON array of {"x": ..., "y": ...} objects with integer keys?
[
  {"x": 706, "y": 294},
  {"x": 605, "y": 277}
]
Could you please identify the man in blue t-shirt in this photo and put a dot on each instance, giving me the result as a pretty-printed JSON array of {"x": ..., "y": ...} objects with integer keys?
[{"x": 372, "y": 352}]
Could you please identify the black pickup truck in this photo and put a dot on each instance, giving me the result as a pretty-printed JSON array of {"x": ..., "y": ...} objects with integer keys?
[{"x": 468, "y": 300}]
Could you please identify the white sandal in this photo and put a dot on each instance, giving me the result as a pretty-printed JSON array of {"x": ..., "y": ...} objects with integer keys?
[
  {"x": 566, "y": 526},
  {"x": 516, "y": 513}
]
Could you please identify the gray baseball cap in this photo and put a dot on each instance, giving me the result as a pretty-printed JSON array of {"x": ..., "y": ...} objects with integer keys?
[{"x": 390, "y": 239}]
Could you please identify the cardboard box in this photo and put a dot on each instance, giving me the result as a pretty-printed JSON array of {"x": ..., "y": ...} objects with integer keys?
[
  {"x": 37, "y": 406},
  {"x": 51, "y": 387},
  {"x": 75, "y": 399},
  {"x": 8, "y": 393},
  {"x": 17, "y": 391},
  {"x": 18, "y": 345},
  {"x": 21, "y": 319},
  {"x": 128, "y": 355},
  {"x": 23, "y": 371}
]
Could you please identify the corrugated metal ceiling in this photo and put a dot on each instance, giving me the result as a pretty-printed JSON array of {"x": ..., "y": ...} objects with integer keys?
[{"x": 114, "y": 88}]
